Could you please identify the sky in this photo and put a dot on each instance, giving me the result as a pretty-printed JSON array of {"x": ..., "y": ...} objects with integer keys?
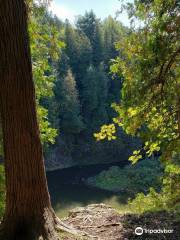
[{"x": 71, "y": 8}]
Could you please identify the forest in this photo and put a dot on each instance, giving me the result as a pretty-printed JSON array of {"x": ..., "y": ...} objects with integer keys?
[{"x": 89, "y": 122}]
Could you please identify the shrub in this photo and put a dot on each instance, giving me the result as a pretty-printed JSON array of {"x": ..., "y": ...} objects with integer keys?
[
  {"x": 132, "y": 178},
  {"x": 167, "y": 199}
]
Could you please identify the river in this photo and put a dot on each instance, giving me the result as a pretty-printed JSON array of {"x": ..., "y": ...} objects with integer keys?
[{"x": 68, "y": 191}]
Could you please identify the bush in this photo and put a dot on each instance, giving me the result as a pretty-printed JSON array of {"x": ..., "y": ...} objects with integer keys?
[
  {"x": 131, "y": 179},
  {"x": 168, "y": 199}
]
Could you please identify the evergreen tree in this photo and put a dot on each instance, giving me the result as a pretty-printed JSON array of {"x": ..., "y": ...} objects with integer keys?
[
  {"x": 69, "y": 106},
  {"x": 79, "y": 51},
  {"x": 91, "y": 27},
  {"x": 112, "y": 32},
  {"x": 94, "y": 97}
]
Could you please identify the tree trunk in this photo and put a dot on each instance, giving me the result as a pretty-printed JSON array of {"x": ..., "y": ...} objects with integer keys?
[{"x": 28, "y": 213}]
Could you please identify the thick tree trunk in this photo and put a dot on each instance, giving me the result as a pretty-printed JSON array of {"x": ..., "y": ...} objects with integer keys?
[{"x": 28, "y": 213}]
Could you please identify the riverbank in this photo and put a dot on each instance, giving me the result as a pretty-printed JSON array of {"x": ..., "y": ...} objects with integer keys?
[
  {"x": 69, "y": 188},
  {"x": 130, "y": 179},
  {"x": 101, "y": 222},
  {"x": 68, "y": 191}
]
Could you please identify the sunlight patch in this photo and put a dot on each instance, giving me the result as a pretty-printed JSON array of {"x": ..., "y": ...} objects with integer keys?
[{"x": 62, "y": 12}]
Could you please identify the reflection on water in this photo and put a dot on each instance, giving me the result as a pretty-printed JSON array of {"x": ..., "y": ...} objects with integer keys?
[
  {"x": 66, "y": 197},
  {"x": 67, "y": 191}
]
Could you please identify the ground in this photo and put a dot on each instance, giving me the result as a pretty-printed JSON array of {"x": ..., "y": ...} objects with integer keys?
[{"x": 101, "y": 222}]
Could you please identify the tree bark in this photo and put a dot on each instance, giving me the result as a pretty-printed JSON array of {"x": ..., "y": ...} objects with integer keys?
[{"x": 28, "y": 213}]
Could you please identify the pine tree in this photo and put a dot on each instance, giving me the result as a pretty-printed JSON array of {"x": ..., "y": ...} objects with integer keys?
[
  {"x": 94, "y": 97},
  {"x": 70, "y": 119},
  {"x": 112, "y": 32},
  {"x": 79, "y": 51},
  {"x": 90, "y": 26}
]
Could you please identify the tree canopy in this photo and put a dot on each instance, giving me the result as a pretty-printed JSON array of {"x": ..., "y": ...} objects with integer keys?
[{"x": 148, "y": 62}]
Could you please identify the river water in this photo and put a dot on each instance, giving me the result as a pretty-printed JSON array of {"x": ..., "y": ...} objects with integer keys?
[{"x": 68, "y": 191}]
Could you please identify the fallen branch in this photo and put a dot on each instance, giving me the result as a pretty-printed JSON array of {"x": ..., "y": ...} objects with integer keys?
[{"x": 103, "y": 225}]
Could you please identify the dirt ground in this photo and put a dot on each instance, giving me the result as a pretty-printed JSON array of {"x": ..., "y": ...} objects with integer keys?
[{"x": 101, "y": 222}]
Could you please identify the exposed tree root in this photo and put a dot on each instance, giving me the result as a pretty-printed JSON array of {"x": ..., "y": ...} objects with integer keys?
[
  {"x": 50, "y": 227},
  {"x": 60, "y": 226}
]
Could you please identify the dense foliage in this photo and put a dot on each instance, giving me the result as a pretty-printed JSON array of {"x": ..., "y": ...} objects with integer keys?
[
  {"x": 148, "y": 63},
  {"x": 75, "y": 87},
  {"x": 131, "y": 179},
  {"x": 84, "y": 90},
  {"x": 45, "y": 51},
  {"x": 167, "y": 199},
  {"x": 150, "y": 104}
]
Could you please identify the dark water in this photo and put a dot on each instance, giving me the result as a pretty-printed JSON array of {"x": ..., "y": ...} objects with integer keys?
[{"x": 68, "y": 191}]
